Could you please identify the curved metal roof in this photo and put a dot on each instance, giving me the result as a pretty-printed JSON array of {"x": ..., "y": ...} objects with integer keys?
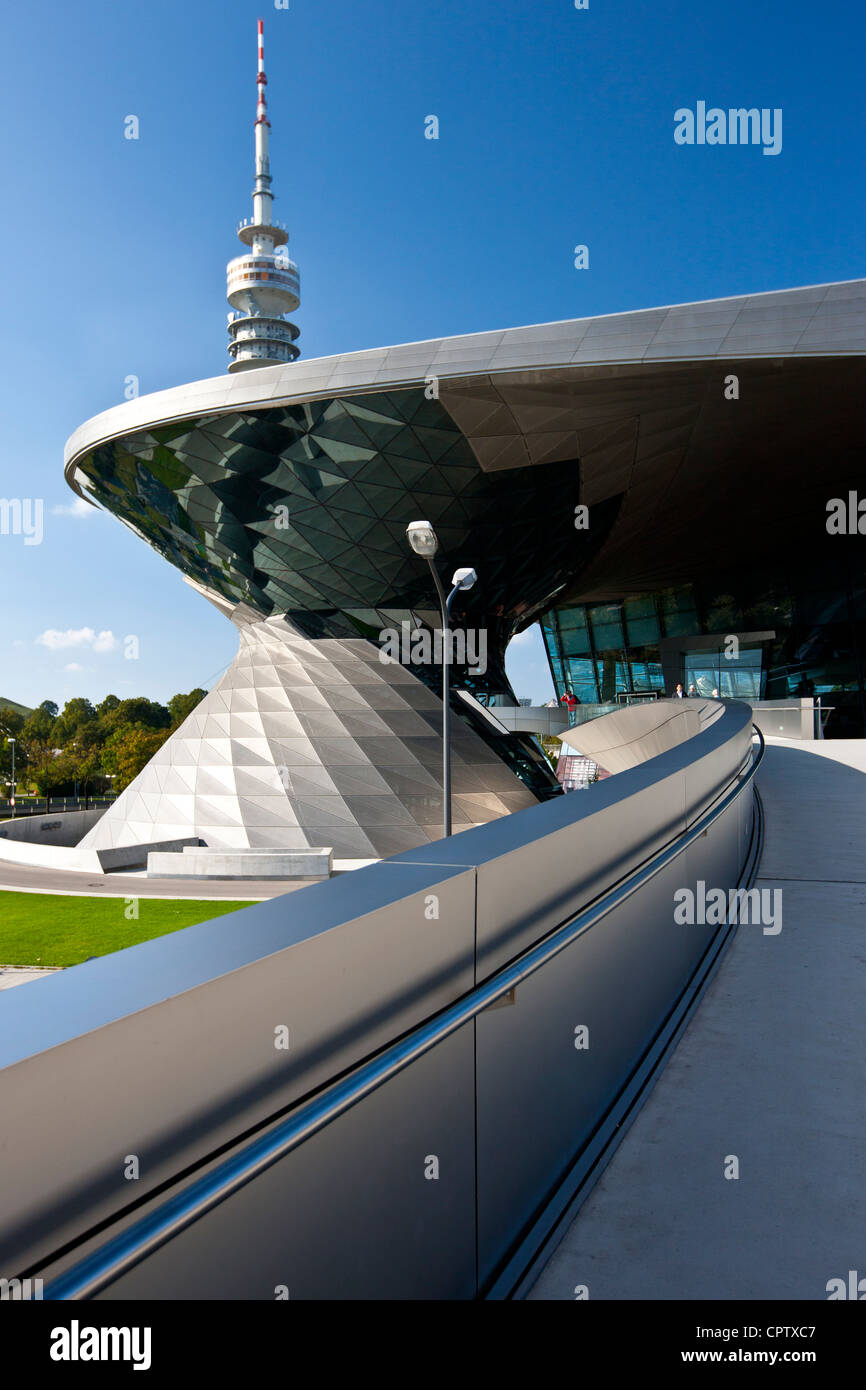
[{"x": 814, "y": 321}]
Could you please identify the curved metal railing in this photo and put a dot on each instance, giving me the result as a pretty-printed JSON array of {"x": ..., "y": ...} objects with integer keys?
[{"x": 130, "y": 1247}]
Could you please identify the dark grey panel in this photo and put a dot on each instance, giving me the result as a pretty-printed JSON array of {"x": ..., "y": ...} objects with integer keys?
[{"x": 349, "y": 1215}]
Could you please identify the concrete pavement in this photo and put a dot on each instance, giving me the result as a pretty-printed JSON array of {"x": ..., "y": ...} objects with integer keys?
[
  {"x": 12, "y": 975},
  {"x": 30, "y": 878},
  {"x": 770, "y": 1072},
  {"x": 26, "y": 878}
]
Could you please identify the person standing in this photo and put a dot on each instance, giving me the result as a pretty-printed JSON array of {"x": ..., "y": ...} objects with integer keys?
[{"x": 569, "y": 699}]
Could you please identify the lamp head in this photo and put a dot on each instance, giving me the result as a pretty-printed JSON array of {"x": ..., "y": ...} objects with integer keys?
[
  {"x": 422, "y": 539},
  {"x": 464, "y": 579}
]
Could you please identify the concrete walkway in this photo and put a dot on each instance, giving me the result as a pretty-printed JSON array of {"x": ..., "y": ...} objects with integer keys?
[
  {"x": 33, "y": 878},
  {"x": 28, "y": 878},
  {"x": 12, "y": 975},
  {"x": 771, "y": 1070}
]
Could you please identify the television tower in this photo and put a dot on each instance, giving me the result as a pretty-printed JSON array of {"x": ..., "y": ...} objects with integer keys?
[{"x": 263, "y": 285}]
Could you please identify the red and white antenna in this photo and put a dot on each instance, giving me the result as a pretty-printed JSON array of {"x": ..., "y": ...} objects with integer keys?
[
  {"x": 261, "y": 81},
  {"x": 262, "y": 286}
]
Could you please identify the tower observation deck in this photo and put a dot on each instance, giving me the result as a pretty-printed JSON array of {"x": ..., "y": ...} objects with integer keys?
[{"x": 262, "y": 285}]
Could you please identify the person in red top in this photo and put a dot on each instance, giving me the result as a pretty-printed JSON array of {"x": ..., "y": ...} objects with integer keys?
[{"x": 569, "y": 699}]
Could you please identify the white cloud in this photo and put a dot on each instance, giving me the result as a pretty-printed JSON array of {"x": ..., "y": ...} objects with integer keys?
[
  {"x": 78, "y": 508},
  {"x": 73, "y": 666},
  {"x": 526, "y": 637},
  {"x": 56, "y": 641}
]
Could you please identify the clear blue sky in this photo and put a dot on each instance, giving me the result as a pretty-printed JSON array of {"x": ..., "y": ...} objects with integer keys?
[{"x": 556, "y": 129}]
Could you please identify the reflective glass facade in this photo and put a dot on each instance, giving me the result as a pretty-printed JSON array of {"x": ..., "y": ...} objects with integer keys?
[
  {"x": 598, "y": 474},
  {"x": 602, "y": 649},
  {"x": 705, "y": 512},
  {"x": 302, "y": 510},
  {"x": 801, "y": 635}
]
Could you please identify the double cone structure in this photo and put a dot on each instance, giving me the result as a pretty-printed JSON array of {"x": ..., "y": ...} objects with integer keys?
[
  {"x": 588, "y": 470},
  {"x": 310, "y": 744}
]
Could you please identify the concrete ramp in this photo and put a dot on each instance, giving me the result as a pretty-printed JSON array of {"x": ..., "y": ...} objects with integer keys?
[{"x": 767, "y": 1082}]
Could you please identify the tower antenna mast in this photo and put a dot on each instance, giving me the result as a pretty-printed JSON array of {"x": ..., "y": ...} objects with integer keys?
[{"x": 262, "y": 285}]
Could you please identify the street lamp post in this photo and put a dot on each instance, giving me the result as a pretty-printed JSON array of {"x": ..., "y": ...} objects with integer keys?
[
  {"x": 12, "y": 741},
  {"x": 424, "y": 542}
]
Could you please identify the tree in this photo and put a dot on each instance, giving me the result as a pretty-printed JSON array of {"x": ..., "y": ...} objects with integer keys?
[
  {"x": 552, "y": 748},
  {"x": 38, "y": 727},
  {"x": 86, "y": 742},
  {"x": 10, "y": 721},
  {"x": 44, "y": 771},
  {"x": 78, "y": 714},
  {"x": 138, "y": 710},
  {"x": 128, "y": 750},
  {"x": 180, "y": 706},
  {"x": 10, "y": 727},
  {"x": 78, "y": 763}
]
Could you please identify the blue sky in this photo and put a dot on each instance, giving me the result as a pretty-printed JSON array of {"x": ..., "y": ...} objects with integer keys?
[{"x": 556, "y": 129}]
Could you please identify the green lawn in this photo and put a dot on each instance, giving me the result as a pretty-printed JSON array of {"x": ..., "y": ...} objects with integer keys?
[{"x": 43, "y": 929}]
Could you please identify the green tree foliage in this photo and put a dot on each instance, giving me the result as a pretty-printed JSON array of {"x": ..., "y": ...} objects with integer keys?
[
  {"x": 148, "y": 713},
  {"x": 10, "y": 727},
  {"x": 42, "y": 772},
  {"x": 38, "y": 727},
  {"x": 553, "y": 749},
  {"x": 127, "y": 751},
  {"x": 10, "y": 722},
  {"x": 78, "y": 716},
  {"x": 86, "y": 743},
  {"x": 179, "y": 706},
  {"x": 81, "y": 765}
]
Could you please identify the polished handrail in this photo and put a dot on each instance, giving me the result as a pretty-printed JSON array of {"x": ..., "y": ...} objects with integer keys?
[
  {"x": 767, "y": 707},
  {"x": 95, "y": 1271}
]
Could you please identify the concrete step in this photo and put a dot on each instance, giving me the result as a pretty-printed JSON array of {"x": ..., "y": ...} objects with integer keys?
[{"x": 260, "y": 864}]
